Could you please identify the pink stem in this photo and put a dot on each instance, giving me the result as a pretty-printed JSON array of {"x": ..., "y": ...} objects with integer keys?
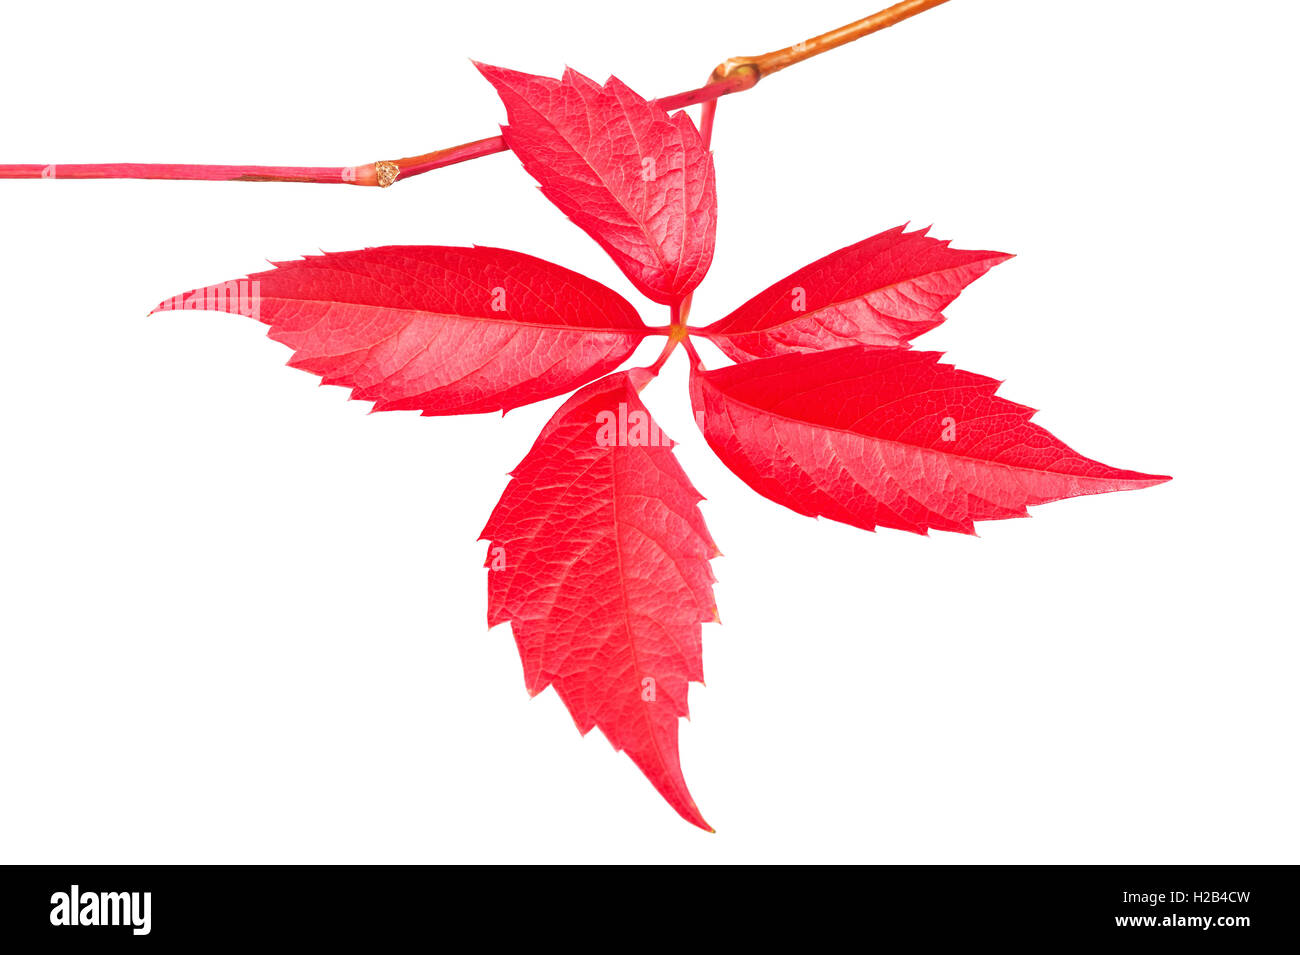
[
  {"x": 663, "y": 356},
  {"x": 706, "y": 94},
  {"x": 694, "y": 355},
  {"x": 731, "y": 76},
  {"x": 683, "y": 311},
  {"x": 706, "y": 122},
  {"x": 415, "y": 165},
  {"x": 352, "y": 175}
]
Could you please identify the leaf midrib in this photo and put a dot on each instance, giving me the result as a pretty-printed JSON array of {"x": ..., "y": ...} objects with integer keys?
[
  {"x": 919, "y": 447},
  {"x": 457, "y": 315}
]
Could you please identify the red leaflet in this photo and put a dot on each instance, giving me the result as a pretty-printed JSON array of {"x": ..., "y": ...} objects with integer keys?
[
  {"x": 599, "y": 559},
  {"x": 885, "y": 290},
  {"x": 883, "y": 436},
  {"x": 438, "y": 329},
  {"x": 635, "y": 179}
]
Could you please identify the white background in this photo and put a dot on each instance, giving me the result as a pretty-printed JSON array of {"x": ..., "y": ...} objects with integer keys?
[{"x": 243, "y": 621}]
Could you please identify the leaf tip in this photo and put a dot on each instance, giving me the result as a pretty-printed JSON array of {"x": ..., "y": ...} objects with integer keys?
[{"x": 696, "y": 818}]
